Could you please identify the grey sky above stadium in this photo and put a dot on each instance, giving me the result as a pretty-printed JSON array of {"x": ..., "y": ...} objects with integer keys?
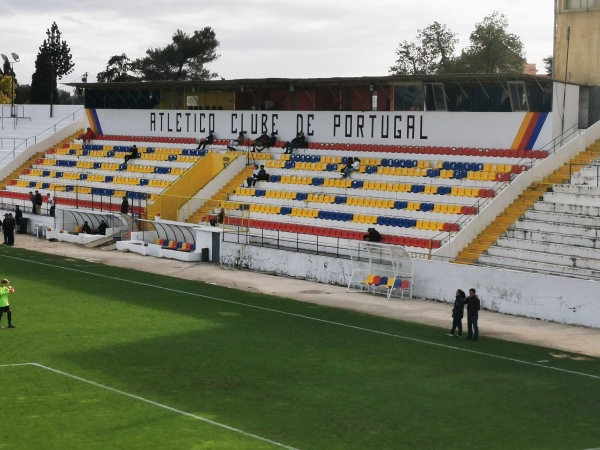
[{"x": 261, "y": 38}]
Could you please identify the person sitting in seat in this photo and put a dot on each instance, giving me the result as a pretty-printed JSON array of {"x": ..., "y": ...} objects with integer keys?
[
  {"x": 251, "y": 181},
  {"x": 102, "y": 228},
  {"x": 298, "y": 142},
  {"x": 208, "y": 140},
  {"x": 88, "y": 136},
  {"x": 372, "y": 235},
  {"x": 260, "y": 143},
  {"x": 272, "y": 140},
  {"x": 351, "y": 167},
  {"x": 86, "y": 228},
  {"x": 133, "y": 153},
  {"x": 262, "y": 174},
  {"x": 238, "y": 141}
]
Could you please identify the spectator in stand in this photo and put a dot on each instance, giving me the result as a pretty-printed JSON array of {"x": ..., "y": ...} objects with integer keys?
[
  {"x": 372, "y": 235},
  {"x": 349, "y": 162},
  {"x": 298, "y": 142},
  {"x": 133, "y": 153},
  {"x": 50, "y": 202},
  {"x": 272, "y": 140},
  {"x": 260, "y": 143},
  {"x": 221, "y": 216},
  {"x": 208, "y": 140},
  {"x": 125, "y": 205},
  {"x": 238, "y": 141},
  {"x": 262, "y": 174},
  {"x": 38, "y": 202},
  {"x": 88, "y": 136},
  {"x": 351, "y": 167},
  {"x": 32, "y": 200},
  {"x": 251, "y": 181}
]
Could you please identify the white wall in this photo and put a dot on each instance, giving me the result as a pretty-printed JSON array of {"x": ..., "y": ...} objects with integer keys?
[
  {"x": 399, "y": 128},
  {"x": 564, "y": 107},
  {"x": 558, "y": 299}
]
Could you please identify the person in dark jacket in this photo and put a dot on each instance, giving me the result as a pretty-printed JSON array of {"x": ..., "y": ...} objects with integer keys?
[
  {"x": 18, "y": 215},
  {"x": 458, "y": 312},
  {"x": 372, "y": 235},
  {"x": 298, "y": 142},
  {"x": 133, "y": 154},
  {"x": 124, "y": 206},
  {"x": 473, "y": 304},
  {"x": 5, "y": 224},
  {"x": 208, "y": 140},
  {"x": 102, "y": 228}
]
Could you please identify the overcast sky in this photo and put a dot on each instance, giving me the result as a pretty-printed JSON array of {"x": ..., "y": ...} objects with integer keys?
[{"x": 260, "y": 38}]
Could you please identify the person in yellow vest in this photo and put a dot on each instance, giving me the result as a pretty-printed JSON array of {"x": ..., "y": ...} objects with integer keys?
[{"x": 5, "y": 289}]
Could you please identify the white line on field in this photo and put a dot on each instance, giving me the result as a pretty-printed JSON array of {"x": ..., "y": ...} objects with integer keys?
[
  {"x": 330, "y": 322},
  {"x": 153, "y": 403}
]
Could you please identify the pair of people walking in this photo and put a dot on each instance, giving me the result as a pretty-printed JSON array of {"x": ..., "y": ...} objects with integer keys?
[{"x": 473, "y": 305}]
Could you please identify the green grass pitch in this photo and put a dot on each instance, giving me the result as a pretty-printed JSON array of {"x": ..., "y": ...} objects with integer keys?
[{"x": 104, "y": 357}]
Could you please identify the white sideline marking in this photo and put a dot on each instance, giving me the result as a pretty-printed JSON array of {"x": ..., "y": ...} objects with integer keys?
[
  {"x": 153, "y": 403},
  {"x": 330, "y": 322}
]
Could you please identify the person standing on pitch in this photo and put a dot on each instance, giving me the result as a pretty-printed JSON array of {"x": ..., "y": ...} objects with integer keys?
[
  {"x": 473, "y": 304},
  {"x": 458, "y": 312},
  {"x": 5, "y": 289}
]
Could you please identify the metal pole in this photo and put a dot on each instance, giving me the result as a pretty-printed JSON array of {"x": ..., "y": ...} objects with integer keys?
[
  {"x": 562, "y": 128},
  {"x": 12, "y": 92}
]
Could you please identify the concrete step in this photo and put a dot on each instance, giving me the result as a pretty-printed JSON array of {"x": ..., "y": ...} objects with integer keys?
[
  {"x": 570, "y": 261},
  {"x": 552, "y": 227},
  {"x": 538, "y": 267},
  {"x": 561, "y": 218},
  {"x": 549, "y": 247}
]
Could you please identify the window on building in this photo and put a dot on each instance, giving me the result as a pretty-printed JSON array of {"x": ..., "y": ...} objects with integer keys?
[
  {"x": 571, "y": 5},
  {"x": 518, "y": 96},
  {"x": 374, "y": 101},
  {"x": 435, "y": 97},
  {"x": 408, "y": 97}
]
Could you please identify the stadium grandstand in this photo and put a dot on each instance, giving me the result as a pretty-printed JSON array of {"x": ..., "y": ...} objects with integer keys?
[{"x": 485, "y": 181}]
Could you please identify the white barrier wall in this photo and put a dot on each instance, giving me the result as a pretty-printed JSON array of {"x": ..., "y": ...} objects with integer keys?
[
  {"x": 557, "y": 299},
  {"x": 491, "y": 130}
]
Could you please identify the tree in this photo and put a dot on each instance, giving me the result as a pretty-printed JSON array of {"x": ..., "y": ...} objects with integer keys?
[
  {"x": 492, "y": 49},
  {"x": 548, "y": 64},
  {"x": 43, "y": 82},
  {"x": 117, "y": 70},
  {"x": 183, "y": 59},
  {"x": 6, "y": 85},
  {"x": 431, "y": 54},
  {"x": 7, "y": 82},
  {"x": 53, "y": 61}
]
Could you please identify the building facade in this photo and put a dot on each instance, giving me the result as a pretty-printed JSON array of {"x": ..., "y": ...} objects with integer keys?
[{"x": 577, "y": 42}]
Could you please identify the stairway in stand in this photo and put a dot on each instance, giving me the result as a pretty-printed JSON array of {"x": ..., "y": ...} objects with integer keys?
[
  {"x": 221, "y": 196},
  {"x": 471, "y": 253}
]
